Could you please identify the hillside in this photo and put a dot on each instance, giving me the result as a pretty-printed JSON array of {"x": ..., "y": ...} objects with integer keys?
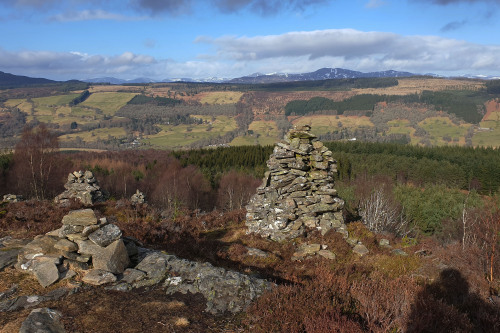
[
  {"x": 14, "y": 81},
  {"x": 418, "y": 110}
]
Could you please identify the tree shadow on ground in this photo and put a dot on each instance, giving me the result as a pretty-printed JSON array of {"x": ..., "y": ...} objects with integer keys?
[{"x": 447, "y": 305}]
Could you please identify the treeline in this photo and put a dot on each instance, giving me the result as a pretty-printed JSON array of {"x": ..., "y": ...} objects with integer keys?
[
  {"x": 493, "y": 86},
  {"x": 80, "y": 98},
  {"x": 453, "y": 166},
  {"x": 330, "y": 84},
  {"x": 465, "y": 105}
]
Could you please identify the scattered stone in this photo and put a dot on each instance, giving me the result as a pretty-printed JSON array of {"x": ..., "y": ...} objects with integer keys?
[
  {"x": 8, "y": 258},
  {"x": 12, "y": 198},
  {"x": 327, "y": 254},
  {"x": 43, "y": 320},
  {"x": 83, "y": 187},
  {"x": 384, "y": 242},
  {"x": 360, "y": 249},
  {"x": 399, "y": 252},
  {"x": 99, "y": 277},
  {"x": 106, "y": 235},
  {"x": 256, "y": 252},
  {"x": 9, "y": 292},
  {"x": 297, "y": 191}
]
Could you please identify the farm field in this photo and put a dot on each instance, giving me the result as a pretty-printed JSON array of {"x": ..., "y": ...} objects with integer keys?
[
  {"x": 183, "y": 135},
  {"x": 442, "y": 131},
  {"x": 260, "y": 132},
  {"x": 97, "y": 134},
  {"x": 108, "y": 102},
  {"x": 323, "y": 124},
  {"x": 428, "y": 119}
]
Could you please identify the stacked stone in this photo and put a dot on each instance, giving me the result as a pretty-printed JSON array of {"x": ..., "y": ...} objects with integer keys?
[
  {"x": 81, "y": 186},
  {"x": 83, "y": 242},
  {"x": 297, "y": 192},
  {"x": 138, "y": 198}
]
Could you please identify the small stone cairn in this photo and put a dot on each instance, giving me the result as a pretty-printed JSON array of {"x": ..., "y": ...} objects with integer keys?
[
  {"x": 82, "y": 186},
  {"x": 297, "y": 192},
  {"x": 83, "y": 242},
  {"x": 138, "y": 198}
]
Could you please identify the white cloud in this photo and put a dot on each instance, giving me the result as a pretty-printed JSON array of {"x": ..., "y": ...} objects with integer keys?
[
  {"x": 68, "y": 65},
  {"x": 360, "y": 50},
  {"x": 93, "y": 14}
]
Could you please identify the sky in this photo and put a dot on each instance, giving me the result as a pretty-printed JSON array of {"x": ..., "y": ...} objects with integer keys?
[{"x": 164, "y": 39}]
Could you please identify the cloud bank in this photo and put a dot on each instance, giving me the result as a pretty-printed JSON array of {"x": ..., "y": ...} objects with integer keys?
[{"x": 292, "y": 52}]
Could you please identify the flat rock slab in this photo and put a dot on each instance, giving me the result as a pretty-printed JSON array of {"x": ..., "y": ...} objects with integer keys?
[
  {"x": 8, "y": 257},
  {"x": 106, "y": 235},
  {"x": 82, "y": 217},
  {"x": 99, "y": 277},
  {"x": 46, "y": 273},
  {"x": 43, "y": 320}
]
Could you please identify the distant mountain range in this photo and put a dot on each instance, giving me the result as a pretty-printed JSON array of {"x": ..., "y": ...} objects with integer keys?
[
  {"x": 320, "y": 74},
  {"x": 12, "y": 81}
]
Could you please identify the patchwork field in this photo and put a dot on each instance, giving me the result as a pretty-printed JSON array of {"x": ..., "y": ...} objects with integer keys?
[
  {"x": 108, "y": 102},
  {"x": 94, "y": 135},
  {"x": 184, "y": 135},
  {"x": 417, "y": 85},
  {"x": 323, "y": 124},
  {"x": 260, "y": 132},
  {"x": 442, "y": 131}
]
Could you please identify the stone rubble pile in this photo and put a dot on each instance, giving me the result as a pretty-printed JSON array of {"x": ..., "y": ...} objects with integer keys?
[
  {"x": 12, "y": 198},
  {"x": 297, "y": 192},
  {"x": 82, "y": 241},
  {"x": 95, "y": 249},
  {"x": 81, "y": 186}
]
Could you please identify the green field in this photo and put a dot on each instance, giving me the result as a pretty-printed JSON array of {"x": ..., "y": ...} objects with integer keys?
[
  {"x": 488, "y": 135},
  {"x": 94, "y": 135},
  {"x": 184, "y": 135},
  {"x": 260, "y": 132},
  {"x": 440, "y": 128},
  {"x": 108, "y": 102},
  {"x": 54, "y": 100}
]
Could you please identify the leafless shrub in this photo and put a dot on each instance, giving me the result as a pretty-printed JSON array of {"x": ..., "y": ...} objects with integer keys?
[{"x": 380, "y": 213}]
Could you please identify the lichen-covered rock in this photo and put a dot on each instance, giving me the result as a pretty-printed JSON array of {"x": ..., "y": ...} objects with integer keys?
[
  {"x": 43, "y": 320},
  {"x": 81, "y": 217},
  {"x": 297, "y": 192},
  {"x": 113, "y": 258}
]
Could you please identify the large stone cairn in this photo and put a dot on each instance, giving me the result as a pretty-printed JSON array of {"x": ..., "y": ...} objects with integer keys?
[
  {"x": 82, "y": 243},
  {"x": 297, "y": 192},
  {"x": 81, "y": 186}
]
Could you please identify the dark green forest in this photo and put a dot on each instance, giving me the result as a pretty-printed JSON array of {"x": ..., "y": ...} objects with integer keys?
[{"x": 466, "y": 105}]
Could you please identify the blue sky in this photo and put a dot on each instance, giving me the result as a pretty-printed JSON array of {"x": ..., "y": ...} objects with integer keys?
[{"x": 76, "y": 39}]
